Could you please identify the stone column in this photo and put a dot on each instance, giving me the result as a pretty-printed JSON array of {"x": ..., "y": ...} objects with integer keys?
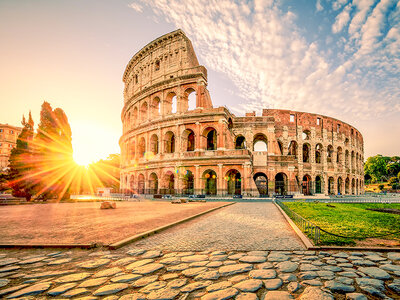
[
  {"x": 197, "y": 179},
  {"x": 198, "y": 137},
  {"x": 220, "y": 180}
]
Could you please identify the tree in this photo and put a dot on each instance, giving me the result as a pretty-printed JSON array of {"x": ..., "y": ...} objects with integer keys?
[
  {"x": 21, "y": 169},
  {"x": 107, "y": 171},
  {"x": 375, "y": 167},
  {"x": 53, "y": 153}
]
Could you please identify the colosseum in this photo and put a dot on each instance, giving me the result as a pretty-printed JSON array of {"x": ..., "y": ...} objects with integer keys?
[{"x": 175, "y": 142}]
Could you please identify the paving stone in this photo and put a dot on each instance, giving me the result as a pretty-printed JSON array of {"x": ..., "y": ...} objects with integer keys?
[
  {"x": 139, "y": 263},
  {"x": 73, "y": 277},
  {"x": 375, "y": 273},
  {"x": 147, "y": 269},
  {"x": 350, "y": 274},
  {"x": 124, "y": 261},
  {"x": 373, "y": 291},
  {"x": 318, "y": 263},
  {"x": 336, "y": 286},
  {"x": 8, "y": 261},
  {"x": 93, "y": 282},
  {"x": 134, "y": 296},
  {"x": 252, "y": 259},
  {"x": 9, "y": 268},
  {"x": 246, "y": 296},
  {"x": 153, "y": 287},
  {"x": 4, "y": 282},
  {"x": 390, "y": 255},
  {"x": 75, "y": 292},
  {"x": 273, "y": 284},
  {"x": 198, "y": 264},
  {"x": 225, "y": 294},
  {"x": 177, "y": 283},
  {"x": 136, "y": 252},
  {"x": 293, "y": 287},
  {"x": 364, "y": 262},
  {"x": 287, "y": 266},
  {"x": 308, "y": 275},
  {"x": 355, "y": 296},
  {"x": 312, "y": 282},
  {"x": 152, "y": 254},
  {"x": 32, "y": 290},
  {"x": 195, "y": 286},
  {"x": 237, "y": 278},
  {"x": 163, "y": 294},
  {"x": 187, "y": 253},
  {"x": 234, "y": 269},
  {"x": 110, "y": 289},
  {"x": 375, "y": 258},
  {"x": 315, "y": 293},
  {"x": 112, "y": 297},
  {"x": 345, "y": 265},
  {"x": 12, "y": 289},
  {"x": 48, "y": 274},
  {"x": 332, "y": 268},
  {"x": 125, "y": 278},
  {"x": 31, "y": 260},
  {"x": 236, "y": 256},
  {"x": 216, "y": 253},
  {"x": 326, "y": 274},
  {"x": 108, "y": 272},
  {"x": 193, "y": 258},
  {"x": 93, "y": 264},
  {"x": 277, "y": 295},
  {"x": 287, "y": 277},
  {"x": 266, "y": 265},
  {"x": 208, "y": 275},
  {"x": 340, "y": 255},
  {"x": 250, "y": 285},
  {"x": 169, "y": 276},
  {"x": 145, "y": 281},
  {"x": 258, "y": 253},
  {"x": 59, "y": 262},
  {"x": 218, "y": 257},
  {"x": 219, "y": 286},
  {"x": 214, "y": 264},
  {"x": 375, "y": 283},
  {"x": 263, "y": 274},
  {"x": 395, "y": 286},
  {"x": 179, "y": 267},
  {"x": 308, "y": 267},
  {"x": 61, "y": 289},
  {"x": 345, "y": 280},
  {"x": 277, "y": 256},
  {"x": 170, "y": 261},
  {"x": 390, "y": 267},
  {"x": 192, "y": 272}
]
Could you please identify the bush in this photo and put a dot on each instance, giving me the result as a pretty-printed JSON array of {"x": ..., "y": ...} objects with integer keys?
[
  {"x": 393, "y": 180},
  {"x": 380, "y": 187}
]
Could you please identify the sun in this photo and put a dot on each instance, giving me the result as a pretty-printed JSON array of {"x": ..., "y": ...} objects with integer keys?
[{"x": 83, "y": 158}]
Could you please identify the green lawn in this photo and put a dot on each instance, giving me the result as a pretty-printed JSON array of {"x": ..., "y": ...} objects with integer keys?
[{"x": 349, "y": 219}]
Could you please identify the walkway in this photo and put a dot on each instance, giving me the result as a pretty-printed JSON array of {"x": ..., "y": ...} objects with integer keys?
[{"x": 242, "y": 226}]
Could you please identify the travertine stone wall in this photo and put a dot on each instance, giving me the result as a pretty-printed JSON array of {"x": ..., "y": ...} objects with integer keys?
[{"x": 170, "y": 145}]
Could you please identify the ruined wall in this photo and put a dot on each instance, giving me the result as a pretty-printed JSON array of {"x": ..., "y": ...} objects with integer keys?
[{"x": 170, "y": 145}]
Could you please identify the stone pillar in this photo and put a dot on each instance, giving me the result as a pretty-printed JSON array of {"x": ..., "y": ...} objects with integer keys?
[
  {"x": 220, "y": 135},
  {"x": 198, "y": 137},
  {"x": 197, "y": 186},
  {"x": 220, "y": 180}
]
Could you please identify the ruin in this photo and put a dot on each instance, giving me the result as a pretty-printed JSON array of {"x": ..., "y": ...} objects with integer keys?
[{"x": 175, "y": 142}]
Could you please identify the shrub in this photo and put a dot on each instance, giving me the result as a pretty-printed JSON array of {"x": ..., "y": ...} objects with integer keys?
[
  {"x": 393, "y": 180},
  {"x": 380, "y": 187}
]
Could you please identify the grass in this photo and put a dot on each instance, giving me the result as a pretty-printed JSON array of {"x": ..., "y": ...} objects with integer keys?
[{"x": 349, "y": 219}]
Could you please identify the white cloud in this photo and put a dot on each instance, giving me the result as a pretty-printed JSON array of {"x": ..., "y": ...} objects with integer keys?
[
  {"x": 136, "y": 6},
  {"x": 342, "y": 19},
  {"x": 319, "y": 6}
]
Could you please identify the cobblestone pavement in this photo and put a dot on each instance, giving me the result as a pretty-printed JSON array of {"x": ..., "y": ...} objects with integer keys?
[
  {"x": 242, "y": 226},
  {"x": 139, "y": 274}
]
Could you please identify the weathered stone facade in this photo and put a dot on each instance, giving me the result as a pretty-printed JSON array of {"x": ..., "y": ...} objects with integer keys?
[
  {"x": 8, "y": 140},
  {"x": 174, "y": 144}
]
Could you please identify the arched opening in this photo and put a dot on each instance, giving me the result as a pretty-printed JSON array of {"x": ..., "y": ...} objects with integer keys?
[
  {"x": 339, "y": 158},
  {"x": 143, "y": 112},
  {"x": 306, "y": 185},
  {"x": 210, "y": 182},
  {"x": 211, "y": 136},
  {"x": 280, "y": 146},
  {"x": 153, "y": 183},
  {"x": 169, "y": 183},
  {"x": 140, "y": 184},
  {"x": 190, "y": 96},
  {"x": 233, "y": 182},
  {"x": 174, "y": 105},
  {"x": 352, "y": 161},
  {"x": 132, "y": 184},
  {"x": 157, "y": 65},
  {"x": 347, "y": 186},
  {"x": 347, "y": 157},
  {"x": 353, "y": 186},
  {"x": 306, "y": 135},
  {"x": 306, "y": 152},
  {"x": 331, "y": 183},
  {"x": 357, "y": 187},
  {"x": 260, "y": 143},
  {"x": 128, "y": 121},
  {"x": 292, "y": 150},
  {"x": 133, "y": 151},
  {"x": 318, "y": 153},
  {"x": 281, "y": 184},
  {"x": 240, "y": 142},
  {"x": 169, "y": 142},
  {"x": 188, "y": 140},
  {"x": 154, "y": 144},
  {"x": 318, "y": 185},
  {"x": 261, "y": 181},
  {"x": 156, "y": 107},
  {"x": 230, "y": 124},
  {"x": 170, "y": 103},
  {"x": 142, "y": 147},
  {"x": 135, "y": 116},
  {"x": 329, "y": 154},
  {"x": 340, "y": 186},
  {"x": 188, "y": 183}
]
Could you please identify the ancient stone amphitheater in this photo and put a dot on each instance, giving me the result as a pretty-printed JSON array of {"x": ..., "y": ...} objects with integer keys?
[{"x": 175, "y": 142}]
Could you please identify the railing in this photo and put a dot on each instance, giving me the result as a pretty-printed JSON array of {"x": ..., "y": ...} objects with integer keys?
[{"x": 306, "y": 226}]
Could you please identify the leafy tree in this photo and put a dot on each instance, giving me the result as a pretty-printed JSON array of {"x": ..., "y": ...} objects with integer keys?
[
  {"x": 20, "y": 174},
  {"x": 53, "y": 153},
  {"x": 381, "y": 187},
  {"x": 393, "y": 180},
  {"x": 375, "y": 167},
  {"x": 107, "y": 171}
]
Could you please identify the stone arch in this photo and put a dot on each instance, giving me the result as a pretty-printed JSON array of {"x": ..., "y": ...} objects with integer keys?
[
  {"x": 240, "y": 142},
  {"x": 356, "y": 186},
  {"x": 352, "y": 160},
  {"x": 339, "y": 186},
  {"x": 211, "y": 138},
  {"x": 169, "y": 139},
  {"x": 331, "y": 185},
  {"x": 306, "y": 152},
  {"x": 260, "y": 142},
  {"x": 347, "y": 186},
  {"x": 306, "y": 135},
  {"x": 155, "y": 107},
  {"x": 143, "y": 112},
  {"x": 210, "y": 182},
  {"x": 135, "y": 116},
  {"x": 280, "y": 147},
  {"x": 347, "y": 158},
  {"x": 292, "y": 149},
  {"x": 318, "y": 184},
  {"x": 169, "y": 183},
  {"x": 128, "y": 121},
  {"x": 142, "y": 147},
  {"x": 353, "y": 186},
  {"x": 169, "y": 101},
  {"x": 306, "y": 185},
  {"x": 318, "y": 153},
  {"x": 230, "y": 123},
  {"x": 132, "y": 152},
  {"x": 153, "y": 183},
  {"x": 190, "y": 99},
  {"x": 339, "y": 155},
  {"x": 188, "y": 140},
  {"x": 261, "y": 181},
  {"x": 132, "y": 184},
  {"x": 188, "y": 183},
  {"x": 141, "y": 184},
  {"x": 329, "y": 154},
  {"x": 281, "y": 184},
  {"x": 233, "y": 182},
  {"x": 154, "y": 144}
]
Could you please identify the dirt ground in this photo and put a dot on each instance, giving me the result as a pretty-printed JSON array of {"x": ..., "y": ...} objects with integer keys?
[{"x": 85, "y": 222}]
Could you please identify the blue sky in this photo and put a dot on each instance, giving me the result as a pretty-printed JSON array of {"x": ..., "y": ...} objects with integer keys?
[{"x": 338, "y": 58}]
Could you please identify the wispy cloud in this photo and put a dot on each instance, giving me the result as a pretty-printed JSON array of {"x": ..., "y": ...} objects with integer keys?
[
  {"x": 260, "y": 47},
  {"x": 136, "y": 6}
]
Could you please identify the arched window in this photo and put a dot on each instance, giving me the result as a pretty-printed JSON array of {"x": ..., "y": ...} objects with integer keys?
[
  {"x": 190, "y": 98},
  {"x": 347, "y": 158},
  {"x": 281, "y": 184},
  {"x": 153, "y": 183},
  {"x": 128, "y": 121},
  {"x": 169, "y": 183},
  {"x": 306, "y": 185},
  {"x": 141, "y": 187},
  {"x": 329, "y": 154},
  {"x": 133, "y": 151},
  {"x": 261, "y": 181},
  {"x": 188, "y": 140},
  {"x": 339, "y": 154},
  {"x": 143, "y": 112},
  {"x": 331, "y": 183},
  {"x": 260, "y": 142},
  {"x": 155, "y": 107},
  {"x": 169, "y": 142},
  {"x": 142, "y": 147},
  {"x": 292, "y": 150},
  {"x": 318, "y": 153},
  {"x": 135, "y": 116},
  {"x": 188, "y": 183},
  {"x": 169, "y": 102},
  {"x": 340, "y": 186},
  {"x": 306, "y": 153},
  {"x": 306, "y": 135},
  {"x": 233, "y": 182},
  {"x": 240, "y": 142},
  {"x": 154, "y": 144},
  {"x": 174, "y": 105},
  {"x": 157, "y": 65},
  {"x": 280, "y": 146},
  {"x": 211, "y": 136},
  {"x": 347, "y": 186},
  {"x": 318, "y": 185},
  {"x": 210, "y": 182}
]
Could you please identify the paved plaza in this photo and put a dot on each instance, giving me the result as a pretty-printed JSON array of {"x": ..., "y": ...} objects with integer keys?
[{"x": 242, "y": 226}]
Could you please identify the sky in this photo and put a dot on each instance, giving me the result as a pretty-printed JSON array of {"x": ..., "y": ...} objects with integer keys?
[{"x": 337, "y": 58}]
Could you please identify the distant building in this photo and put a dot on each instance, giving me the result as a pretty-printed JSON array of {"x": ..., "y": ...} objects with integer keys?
[
  {"x": 8, "y": 140},
  {"x": 104, "y": 192}
]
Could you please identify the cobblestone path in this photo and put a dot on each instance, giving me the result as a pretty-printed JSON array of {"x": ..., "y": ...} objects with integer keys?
[
  {"x": 139, "y": 274},
  {"x": 242, "y": 226}
]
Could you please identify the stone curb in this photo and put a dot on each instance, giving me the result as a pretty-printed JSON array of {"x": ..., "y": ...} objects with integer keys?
[
  {"x": 83, "y": 246},
  {"x": 296, "y": 229},
  {"x": 140, "y": 236}
]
